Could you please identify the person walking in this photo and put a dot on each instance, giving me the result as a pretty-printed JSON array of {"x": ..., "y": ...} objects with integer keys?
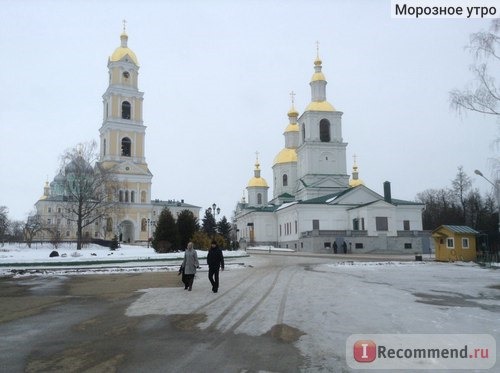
[
  {"x": 189, "y": 266},
  {"x": 215, "y": 261}
]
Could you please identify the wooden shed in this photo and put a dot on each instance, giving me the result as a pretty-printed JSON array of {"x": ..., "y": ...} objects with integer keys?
[{"x": 455, "y": 243}]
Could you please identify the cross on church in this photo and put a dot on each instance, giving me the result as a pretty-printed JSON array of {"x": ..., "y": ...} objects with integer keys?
[
  {"x": 317, "y": 48},
  {"x": 124, "y": 25},
  {"x": 292, "y": 95}
]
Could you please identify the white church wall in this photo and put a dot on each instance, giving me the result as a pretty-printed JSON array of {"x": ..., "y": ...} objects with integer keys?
[
  {"x": 411, "y": 213},
  {"x": 382, "y": 211}
]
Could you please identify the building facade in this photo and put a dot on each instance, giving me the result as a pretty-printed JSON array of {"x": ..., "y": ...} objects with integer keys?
[
  {"x": 122, "y": 145},
  {"x": 316, "y": 205}
]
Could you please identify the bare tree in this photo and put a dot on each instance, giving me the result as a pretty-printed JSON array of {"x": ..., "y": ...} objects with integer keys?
[
  {"x": 483, "y": 95},
  {"x": 32, "y": 226},
  {"x": 4, "y": 223},
  {"x": 461, "y": 186},
  {"x": 87, "y": 190}
]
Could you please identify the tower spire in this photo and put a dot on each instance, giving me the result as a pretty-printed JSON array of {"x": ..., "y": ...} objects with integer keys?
[{"x": 257, "y": 165}]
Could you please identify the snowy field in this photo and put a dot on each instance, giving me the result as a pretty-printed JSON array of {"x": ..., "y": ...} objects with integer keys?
[
  {"x": 326, "y": 303},
  {"x": 91, "y": 258},
  {"x": 319, "y": 301}
]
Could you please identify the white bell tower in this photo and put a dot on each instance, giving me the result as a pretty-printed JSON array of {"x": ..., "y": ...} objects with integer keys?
[{"x": 321, "y": 167}]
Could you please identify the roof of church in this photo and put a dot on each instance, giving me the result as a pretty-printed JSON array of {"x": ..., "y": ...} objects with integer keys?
[
  {"x": 324, "y": 199},
  {"x": 257, "y": 182},
  {"x": 286, "y": 155},
  {"x": 320, "y": 106},
  {"x": 267, "y": 208},
  {"x": 403, "y": 202},
  {"x": 123, "y": 50},
  {"x": 292, "y": 127}
]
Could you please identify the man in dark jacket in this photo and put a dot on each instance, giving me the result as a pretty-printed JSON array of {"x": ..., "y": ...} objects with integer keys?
[{"x": 215, "y": 260}]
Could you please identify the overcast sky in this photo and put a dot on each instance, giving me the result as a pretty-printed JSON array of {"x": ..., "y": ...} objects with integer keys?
[{"x": 216, "y": 77}]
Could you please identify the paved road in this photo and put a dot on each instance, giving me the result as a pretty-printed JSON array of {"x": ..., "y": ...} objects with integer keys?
[
  {"x": 80, "y": 323},
  {"x": 279, "y": 313}
]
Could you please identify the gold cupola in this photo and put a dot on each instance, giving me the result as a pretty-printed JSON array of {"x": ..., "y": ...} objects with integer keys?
[
  {"x": 123, "y": 50},
  {"x": 318, "y": 89},
  {"x": 257, "y": 180},
  {"x": 355, "y": 180},
  {"x": 288, "y": 153}
]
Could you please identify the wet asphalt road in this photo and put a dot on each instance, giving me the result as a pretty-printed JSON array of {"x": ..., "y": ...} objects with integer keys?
[{"x": 78, "y": 324}]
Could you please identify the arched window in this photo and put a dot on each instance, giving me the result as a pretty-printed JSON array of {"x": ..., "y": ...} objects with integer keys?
[
  {"x": 285, "y": 180},
  {"x": 104, "y": 147},
  {"x": 324, "y": 130},
  {"x": 126, "y": 146},
  {"x": 120, "y": 196},
  {"x": 143, "y": 225},
  {"x": 126, "y": 110},
  {"x": 259, "y": 198},
  {"x": 126, "y": 196},
  {"x": 132, "y": 196},
  {"x": 143, "y": 196},
  {"x": 303, "y": 132},
  {"x": 109, "y": 225}
]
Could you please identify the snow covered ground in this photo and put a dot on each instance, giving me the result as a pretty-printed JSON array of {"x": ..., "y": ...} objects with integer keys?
[
  {"x": 91, "y": 258},
  {"x": 320, "y": 301},
  {"x": 325, "y": 303}
]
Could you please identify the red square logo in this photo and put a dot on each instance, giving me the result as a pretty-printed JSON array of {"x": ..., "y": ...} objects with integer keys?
[{"x": 365, "y": 351}]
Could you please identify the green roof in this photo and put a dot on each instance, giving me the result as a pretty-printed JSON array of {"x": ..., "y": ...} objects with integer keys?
[
  {"x": 457, "y": 229},
  {"x": 460, "y": 229}
]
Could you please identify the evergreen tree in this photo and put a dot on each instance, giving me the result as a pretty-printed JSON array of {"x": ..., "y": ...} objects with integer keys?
[
  {"x": 209, "y": 224},
  {"x": 187, "y": 225},
  {"x": 166, "y": 235},
  {"x": 201, "y": 240},
  {"x": 224, "y": 229}
]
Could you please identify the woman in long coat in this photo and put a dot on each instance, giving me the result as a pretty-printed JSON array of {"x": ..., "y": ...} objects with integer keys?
[{"x": 189, "y": 266}]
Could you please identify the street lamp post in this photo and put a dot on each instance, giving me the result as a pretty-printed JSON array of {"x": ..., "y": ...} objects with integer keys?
[
  {"x": 214, "y": 210},
  {"x": 497, "y": 192}
]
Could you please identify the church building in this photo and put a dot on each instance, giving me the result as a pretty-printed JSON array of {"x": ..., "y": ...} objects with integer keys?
[
  {"x": 316, "y": 206},
  {"x": 122, "y": 147}
]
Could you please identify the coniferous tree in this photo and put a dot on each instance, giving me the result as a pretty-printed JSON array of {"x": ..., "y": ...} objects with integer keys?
[
  {"x": 201, "y": 240},
  {"x": 166, "y": 235},
  {"x": 209, "y": 224},
  {"x": 224, "y": 229},
  {"x": 187, "y": 225}
]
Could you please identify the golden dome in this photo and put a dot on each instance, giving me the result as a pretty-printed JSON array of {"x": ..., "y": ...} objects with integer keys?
[
  {"x": 320, "y": 106},
  {"x": 123, "y": 50},
  {"x": 292, "y": 127},
  {"x": 355, "y": 182},
  {"x": 318, "y": 76},
  {"x": 286, "y": 155},
  {"x": 293, "y": 113},
  {"x": 257, "y": 182}
]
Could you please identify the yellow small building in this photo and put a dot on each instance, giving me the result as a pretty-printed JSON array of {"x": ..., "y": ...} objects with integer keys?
[{"x": 455, "y": 243}]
